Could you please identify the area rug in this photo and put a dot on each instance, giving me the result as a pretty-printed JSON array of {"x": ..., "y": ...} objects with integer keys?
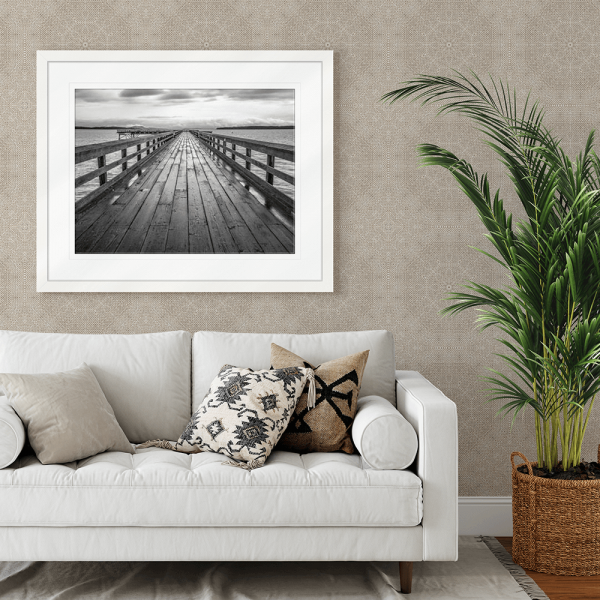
[{"x": 484, "y": 571}]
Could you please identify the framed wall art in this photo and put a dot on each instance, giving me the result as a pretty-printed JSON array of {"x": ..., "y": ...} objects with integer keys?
[{"x": 185, "y": 171}]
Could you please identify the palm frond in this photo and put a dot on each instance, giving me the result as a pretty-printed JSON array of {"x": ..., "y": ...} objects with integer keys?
[{"x": 549, "y": 313}]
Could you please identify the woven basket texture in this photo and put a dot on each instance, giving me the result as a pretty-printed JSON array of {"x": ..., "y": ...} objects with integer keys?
[{"x": 556, "y": 523}]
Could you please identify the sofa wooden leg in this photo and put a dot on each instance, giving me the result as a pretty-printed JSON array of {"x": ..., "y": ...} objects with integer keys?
[{"x": 405, "y": 577}]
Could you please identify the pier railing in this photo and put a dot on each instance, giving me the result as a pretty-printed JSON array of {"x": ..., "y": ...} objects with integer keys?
[
  {"x": 227, "y": 148},
  {"x": 131, "y": 164}
]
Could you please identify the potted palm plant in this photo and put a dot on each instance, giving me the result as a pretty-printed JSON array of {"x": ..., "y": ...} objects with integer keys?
[{"x": 548, "y": 314}]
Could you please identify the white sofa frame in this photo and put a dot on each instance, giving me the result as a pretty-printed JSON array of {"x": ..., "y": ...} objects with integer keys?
[{"x": 429, "y": 411}]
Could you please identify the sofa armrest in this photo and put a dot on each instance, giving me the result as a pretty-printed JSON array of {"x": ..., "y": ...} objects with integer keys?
[{"x": 434, "y": 418}]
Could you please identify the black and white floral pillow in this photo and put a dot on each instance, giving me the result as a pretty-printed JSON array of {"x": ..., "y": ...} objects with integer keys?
[{"x": 243, "y": 415}]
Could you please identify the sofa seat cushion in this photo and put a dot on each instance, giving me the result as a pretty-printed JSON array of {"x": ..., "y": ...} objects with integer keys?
[{"x": 157, "y": 487}]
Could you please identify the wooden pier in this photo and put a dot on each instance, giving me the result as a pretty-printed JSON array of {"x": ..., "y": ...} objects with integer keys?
[
  {"x": 241, "y": 163},
  {"x": 183, "y": 199}
]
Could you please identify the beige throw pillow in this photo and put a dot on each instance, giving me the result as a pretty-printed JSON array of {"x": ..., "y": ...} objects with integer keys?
[
  {"x": 326, "y": 427},
  {"x": 66, "y": 415}
]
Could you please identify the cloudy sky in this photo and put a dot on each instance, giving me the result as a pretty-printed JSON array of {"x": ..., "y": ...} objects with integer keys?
[{"x": 183, "y": 108}]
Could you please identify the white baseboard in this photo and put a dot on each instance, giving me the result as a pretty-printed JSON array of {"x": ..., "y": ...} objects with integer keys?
[{"x": 485, "y": 515}]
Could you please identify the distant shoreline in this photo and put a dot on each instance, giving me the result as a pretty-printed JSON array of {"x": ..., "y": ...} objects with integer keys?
[
  {"x": 214, "y": 129},
  {"x": 260, "y": 127}
]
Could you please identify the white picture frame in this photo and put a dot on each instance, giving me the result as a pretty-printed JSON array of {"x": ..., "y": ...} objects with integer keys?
[{"x": 307, "y": 267}]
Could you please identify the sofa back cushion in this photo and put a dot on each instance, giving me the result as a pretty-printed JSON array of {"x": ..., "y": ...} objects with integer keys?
[
  {"x": 211, "y": 350},
  {"x": 145, "y": 378}
]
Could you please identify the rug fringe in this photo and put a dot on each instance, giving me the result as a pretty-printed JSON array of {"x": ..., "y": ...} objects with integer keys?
[{"x": 529, "y": 586}]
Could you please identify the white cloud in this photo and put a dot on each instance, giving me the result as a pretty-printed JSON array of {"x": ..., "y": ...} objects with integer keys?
[{"x": 190, "y": 108}]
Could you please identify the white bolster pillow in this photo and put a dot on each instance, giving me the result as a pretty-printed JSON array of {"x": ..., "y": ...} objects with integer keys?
[
  {"x": 384, "y": 438},
  {"x": 12, "y": 435}
]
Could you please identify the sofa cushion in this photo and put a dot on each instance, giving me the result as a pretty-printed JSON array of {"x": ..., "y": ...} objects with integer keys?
[
  {"x": 211, "y": 350},
  {"x": 156, "y": 487},
  {"x": 384, "y": 438},
  {"x": 326, "y": 426},
  {"x": 12, "y": 435},
  {"x": 66, "y": 414},
  {"x": 145, "y": 378},
  {"x": 243, "y": 415}
]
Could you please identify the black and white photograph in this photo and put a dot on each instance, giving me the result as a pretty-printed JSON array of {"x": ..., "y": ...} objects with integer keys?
[{"x": 184, "y": 171}]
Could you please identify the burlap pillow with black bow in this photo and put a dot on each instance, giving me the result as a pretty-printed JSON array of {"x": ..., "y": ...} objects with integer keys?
[{"x": 326, "y": 427}]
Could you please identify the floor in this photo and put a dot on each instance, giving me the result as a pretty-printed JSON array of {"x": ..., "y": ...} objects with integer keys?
[
  {"x": 185, "y": 202},
  {"x": 559, "y": 587},
  {"x": 477, "y": 575}
]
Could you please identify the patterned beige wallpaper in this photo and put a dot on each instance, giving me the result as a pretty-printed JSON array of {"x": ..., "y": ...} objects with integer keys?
[{"x": 401, "y": 234}]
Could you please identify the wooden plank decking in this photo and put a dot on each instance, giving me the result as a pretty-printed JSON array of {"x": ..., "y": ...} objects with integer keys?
[{"x": 183, "y": 203}]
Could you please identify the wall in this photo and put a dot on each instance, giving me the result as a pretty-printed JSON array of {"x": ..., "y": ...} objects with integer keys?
[{"x": 401, "y": 234}]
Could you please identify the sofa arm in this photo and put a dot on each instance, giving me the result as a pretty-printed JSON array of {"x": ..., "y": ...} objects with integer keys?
[
  {"x": 12, "y": 435},
  {"x": 434, "y": 418}
]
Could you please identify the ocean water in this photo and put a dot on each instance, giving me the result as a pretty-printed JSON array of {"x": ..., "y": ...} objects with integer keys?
[
  {"x": 83, "y": 137},
  {"x": 275, "y": 136}
]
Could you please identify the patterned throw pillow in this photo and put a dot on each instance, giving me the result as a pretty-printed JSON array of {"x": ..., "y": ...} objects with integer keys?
[
  {"x": 326, "y": 427},
  {"x": 243, "y": 415}
]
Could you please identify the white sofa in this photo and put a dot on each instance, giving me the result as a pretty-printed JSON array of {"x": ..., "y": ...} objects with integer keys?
[{"x": 161, "y": 505}]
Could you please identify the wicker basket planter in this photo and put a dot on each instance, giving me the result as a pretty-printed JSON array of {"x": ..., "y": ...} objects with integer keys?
[{"x": 556, "y": 523}]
